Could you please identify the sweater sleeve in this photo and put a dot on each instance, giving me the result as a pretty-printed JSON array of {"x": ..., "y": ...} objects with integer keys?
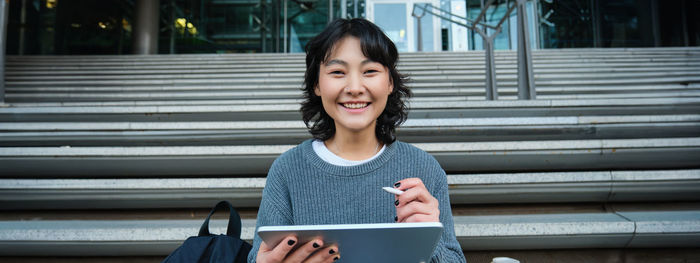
[
  {"x": 275, "y": 206},
  {"x": 448, "y": 249}
]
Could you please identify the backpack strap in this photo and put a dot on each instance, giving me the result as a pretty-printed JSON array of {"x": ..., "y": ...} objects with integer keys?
[{"x": 234, "y": 221}]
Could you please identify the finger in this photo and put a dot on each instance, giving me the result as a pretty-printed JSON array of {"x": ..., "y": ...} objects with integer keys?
[
  {"x": 329, "y": 259},
  {"x": 412, "y": 208},
  {"x": 333, "y": 254},
  {"x": 324, "y": 255},
  {"x": 264, "y": 247},
  {"x": 409, "y": 183},
  {"x": 333, "y": 258},
  {"x": 282, "y": 249},
  {"x": 415, "y": 194},
  {"x": 304, "y": 251},
  {"x": 422, "y": 218},
  {"x": 415, "y": 188}
]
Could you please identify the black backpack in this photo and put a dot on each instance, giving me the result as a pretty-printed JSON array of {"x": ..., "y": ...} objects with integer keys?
[{"x": 206, "y": 247}]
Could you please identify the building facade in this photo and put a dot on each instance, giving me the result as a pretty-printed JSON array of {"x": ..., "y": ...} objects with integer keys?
[{"x": 66, "y": 27}]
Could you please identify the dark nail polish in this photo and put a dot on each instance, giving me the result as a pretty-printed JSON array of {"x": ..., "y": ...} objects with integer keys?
[
  {"x": 315, "y": 245},
  {"x": 397, "y": 185},
  {"x": 335, "y": 258},
  {"x": 331, "y": 251},
  {"x": 396, "y": 203},
  {"x": 291, "y": 242},
  {"x": 396, "y": 218}
]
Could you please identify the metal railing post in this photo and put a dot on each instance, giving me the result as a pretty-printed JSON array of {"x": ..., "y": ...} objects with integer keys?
[
  {"x": 276, "y": 27},
  {"x": 22, "y": 28},
  {"x": 263, "y": 27},
  {"x": 490, "y": 61},
  {"x": 491, "y": 85},
  {"x": 4, "y": 11},
  {"x": 526, "y": 82},
  {"x": 419, "y": 33},
  {"x": 172, "y": 26},
  {"x": 285, "y": 33},
  {"x": 490, "y": 64}
]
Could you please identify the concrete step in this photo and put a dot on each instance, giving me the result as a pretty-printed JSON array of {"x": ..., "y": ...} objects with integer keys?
[
  {"x": 419, "y": 89},
  {"x": 418, "y": 70},
  {"x": 91, "y": 65},
  {"x": 541, "y": 58},
  {"x": 615, "y": 229},
  {"x": 578, "y": 52},
  {"x": 416, "y": 73},
  {"x": 557, "y": 231},
  {"x": 468, "y": 189},
  {"x": 288, "y": 110},
  {"x": 422, "y": 92},
  {"x": 592, "y": 67},
  {"x": 574, "y": 52},
  {"x": 191, "y": 161},
  {"x": 611, "y": 127},
  {"x": 210, "y": 59},
  {"x": 467, "y": 93},
  {"x": 562, "y": 81},
  {"x": 16, "y": 134},
  {"x": 681, "y": 85}
]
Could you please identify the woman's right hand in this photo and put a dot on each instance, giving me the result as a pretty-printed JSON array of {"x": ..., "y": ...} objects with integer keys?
[{"x": 311, "y": 252}]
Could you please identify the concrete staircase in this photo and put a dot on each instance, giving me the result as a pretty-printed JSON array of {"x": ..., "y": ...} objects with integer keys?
[{"x": 121, "y": 157}]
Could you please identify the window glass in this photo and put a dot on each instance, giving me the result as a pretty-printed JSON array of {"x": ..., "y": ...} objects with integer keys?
[{"x": 392, "y": 19}]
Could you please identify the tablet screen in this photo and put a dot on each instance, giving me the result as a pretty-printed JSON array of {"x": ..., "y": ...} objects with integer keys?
[{"x": 390, "y": 242}]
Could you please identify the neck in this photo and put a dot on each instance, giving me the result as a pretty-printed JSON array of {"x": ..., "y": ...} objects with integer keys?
[{"x": 353, "y": 146}]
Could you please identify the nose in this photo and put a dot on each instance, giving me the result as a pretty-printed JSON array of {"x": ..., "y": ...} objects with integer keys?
[{"x": 354, "y": 86}]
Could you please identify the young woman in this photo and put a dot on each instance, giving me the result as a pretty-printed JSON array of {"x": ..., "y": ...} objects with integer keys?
[{"x": 353, "y": 103}]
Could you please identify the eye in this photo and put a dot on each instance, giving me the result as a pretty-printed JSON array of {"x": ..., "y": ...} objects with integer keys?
[
  {"x": 337, "y": 72},
  {"x": 371, "y": 71}
]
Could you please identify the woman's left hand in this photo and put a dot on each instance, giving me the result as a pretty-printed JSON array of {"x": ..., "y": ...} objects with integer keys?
[{"x": 416, "y": 204}]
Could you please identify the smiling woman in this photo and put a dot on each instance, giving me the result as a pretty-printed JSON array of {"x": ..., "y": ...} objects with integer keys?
[
  {"x": 353, "y": 91},
  {"x": 374, "y": 52},
  {"x": 354, "y": 100}
]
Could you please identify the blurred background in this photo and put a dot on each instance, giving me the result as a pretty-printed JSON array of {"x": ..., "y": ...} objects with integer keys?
[{"x": 67, "y": 27}]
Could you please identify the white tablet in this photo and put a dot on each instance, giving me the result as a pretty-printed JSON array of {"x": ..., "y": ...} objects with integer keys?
[{"x": 361, "y": 243}]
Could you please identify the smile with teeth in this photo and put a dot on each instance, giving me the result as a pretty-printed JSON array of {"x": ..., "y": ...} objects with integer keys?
[{"x": 355, "y": 105}]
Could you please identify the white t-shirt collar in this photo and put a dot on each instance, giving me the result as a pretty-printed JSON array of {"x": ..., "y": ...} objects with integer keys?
[{"x": 322, "y": 151}]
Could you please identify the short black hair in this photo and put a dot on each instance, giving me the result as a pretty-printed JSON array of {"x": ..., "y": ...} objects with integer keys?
[{"x": 376, "y": 46}]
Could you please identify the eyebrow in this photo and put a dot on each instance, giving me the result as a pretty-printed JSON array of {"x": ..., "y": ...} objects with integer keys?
[{"x": 343, "y": 63}]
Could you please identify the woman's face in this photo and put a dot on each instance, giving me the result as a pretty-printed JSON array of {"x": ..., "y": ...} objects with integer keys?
[{"x": 353, "y": 88}]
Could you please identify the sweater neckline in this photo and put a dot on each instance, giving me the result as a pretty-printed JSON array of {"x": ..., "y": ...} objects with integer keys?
[{"x": 355, "y": 170}]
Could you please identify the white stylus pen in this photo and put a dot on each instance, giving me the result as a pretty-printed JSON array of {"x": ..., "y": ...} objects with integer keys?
[{"x": 392, "y": 190}]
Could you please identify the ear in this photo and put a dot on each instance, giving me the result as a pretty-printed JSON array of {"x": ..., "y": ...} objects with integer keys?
[
  {"x": 317, "y": 91},
  {"x": 391, "y": 83}
]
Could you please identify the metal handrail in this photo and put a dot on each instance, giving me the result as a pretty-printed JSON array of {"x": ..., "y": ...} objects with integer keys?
[
  {"x": 526, "y": 86},
  {"x": 427, "y": 8}
]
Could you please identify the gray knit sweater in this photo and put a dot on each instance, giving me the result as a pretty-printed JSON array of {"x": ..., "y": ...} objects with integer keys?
[{"x": 302, "y": 189}]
